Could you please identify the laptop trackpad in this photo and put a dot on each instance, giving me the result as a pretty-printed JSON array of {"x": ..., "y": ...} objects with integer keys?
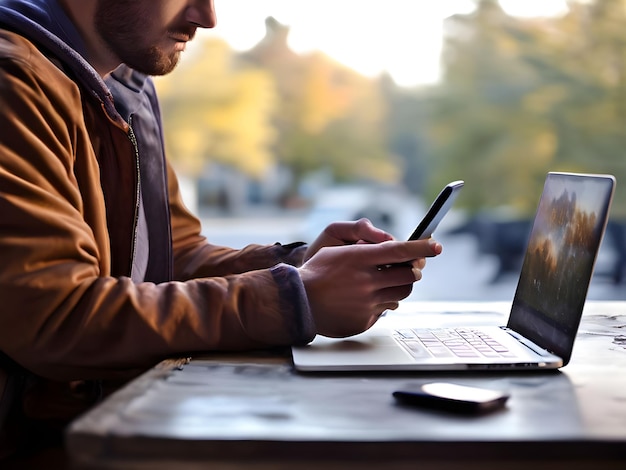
[{"x": 370, "y": 348}]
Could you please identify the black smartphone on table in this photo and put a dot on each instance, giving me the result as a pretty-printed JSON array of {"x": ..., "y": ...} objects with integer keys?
[
  {"x": 452, "y": 398},
  {"x": 438, "y": 209}
]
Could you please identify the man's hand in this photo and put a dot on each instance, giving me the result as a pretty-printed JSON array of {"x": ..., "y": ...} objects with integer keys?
[
  {"x": 347, "y": 233},
  {"x": 351, "y": 285}
]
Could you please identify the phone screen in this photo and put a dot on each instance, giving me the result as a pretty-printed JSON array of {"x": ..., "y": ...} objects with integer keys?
[{"x": 438, "y": 209}]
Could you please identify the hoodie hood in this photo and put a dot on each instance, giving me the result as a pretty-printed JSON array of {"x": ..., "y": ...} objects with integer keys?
[{"x": 45, "y": 23}]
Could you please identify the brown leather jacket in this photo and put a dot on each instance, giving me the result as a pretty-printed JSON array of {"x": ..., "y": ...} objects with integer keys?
[{"x": 70, "y": 316}]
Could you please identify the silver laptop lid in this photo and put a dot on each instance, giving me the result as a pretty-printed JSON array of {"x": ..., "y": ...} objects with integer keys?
[{"x": 562, "y": 248}]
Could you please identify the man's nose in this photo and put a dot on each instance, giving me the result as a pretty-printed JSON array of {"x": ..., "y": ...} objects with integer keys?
[{"x": 202, "y": 13}]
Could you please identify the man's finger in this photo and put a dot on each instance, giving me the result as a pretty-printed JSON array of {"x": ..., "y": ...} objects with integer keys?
[{"x": 399, "y": 252}]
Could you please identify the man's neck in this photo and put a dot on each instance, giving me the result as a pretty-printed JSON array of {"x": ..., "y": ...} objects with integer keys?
[{"x": 82, "y": 14}]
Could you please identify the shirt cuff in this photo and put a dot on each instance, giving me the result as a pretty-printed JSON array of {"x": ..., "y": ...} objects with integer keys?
[{"x": 294, "y": 304}]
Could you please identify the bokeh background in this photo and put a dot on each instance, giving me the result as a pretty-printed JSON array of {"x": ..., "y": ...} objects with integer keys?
[{"x": 292, "y": 114}]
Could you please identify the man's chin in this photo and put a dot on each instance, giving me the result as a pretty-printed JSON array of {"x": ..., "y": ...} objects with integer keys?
[{"x": 163, "y": 65}]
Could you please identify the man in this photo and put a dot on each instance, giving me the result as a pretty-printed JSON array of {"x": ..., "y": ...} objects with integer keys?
[{"x": 104, "y": 272}]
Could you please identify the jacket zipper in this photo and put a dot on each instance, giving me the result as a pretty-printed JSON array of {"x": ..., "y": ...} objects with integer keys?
[{"x": 133, "y": 140}]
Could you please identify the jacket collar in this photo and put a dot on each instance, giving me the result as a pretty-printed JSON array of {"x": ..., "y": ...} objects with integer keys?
[{"x": 45, "y": 23}]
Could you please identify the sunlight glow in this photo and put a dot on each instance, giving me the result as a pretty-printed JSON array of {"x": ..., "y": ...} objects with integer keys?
[
  {"x": 402, "y": 37},
  {"x": 534, "y": 8}
]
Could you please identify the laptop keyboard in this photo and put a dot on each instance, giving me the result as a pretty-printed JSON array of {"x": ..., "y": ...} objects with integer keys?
[{"x": 447, "y": 342}]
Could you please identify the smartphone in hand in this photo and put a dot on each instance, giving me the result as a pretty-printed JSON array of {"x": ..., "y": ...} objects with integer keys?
[{"x": 438, "y": 209}]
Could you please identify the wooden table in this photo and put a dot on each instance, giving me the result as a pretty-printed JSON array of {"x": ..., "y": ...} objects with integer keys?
[{"x": 254, "y": 411}]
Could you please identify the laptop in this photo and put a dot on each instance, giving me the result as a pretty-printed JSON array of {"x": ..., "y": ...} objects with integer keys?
[{"x": 545, "y": 314}]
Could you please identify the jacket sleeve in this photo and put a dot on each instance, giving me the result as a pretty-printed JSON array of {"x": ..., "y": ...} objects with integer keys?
[
  {"x": 194, "y": 257},
  {"x": 266, "y": 274},
  {"x": 63, "y": 315}
]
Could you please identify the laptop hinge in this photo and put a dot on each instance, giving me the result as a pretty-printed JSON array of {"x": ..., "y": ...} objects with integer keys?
[{"x": 528, "y": 343}]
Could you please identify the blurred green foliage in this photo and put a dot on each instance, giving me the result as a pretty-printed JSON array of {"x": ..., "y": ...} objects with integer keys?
[
  {"x": 518, "y": 98},
  {"x": 523, "y": 97}
]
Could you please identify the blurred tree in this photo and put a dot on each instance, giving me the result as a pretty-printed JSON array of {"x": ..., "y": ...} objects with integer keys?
[
  {"x": 479, "y": 126},
  {"x": 216, "y": 112},
  {"x": 328, "y": 115},
  {"x": 521, "y": 97},
  {"x": 590, "y": 118},
  {"x": 271, "y": 106}
]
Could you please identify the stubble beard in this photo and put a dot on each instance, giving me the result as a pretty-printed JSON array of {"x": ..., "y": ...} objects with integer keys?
[{"x": 121, "y": 25}]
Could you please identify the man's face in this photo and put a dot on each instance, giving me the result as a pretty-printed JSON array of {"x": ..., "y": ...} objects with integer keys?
[{"x": 146, "y": 35}]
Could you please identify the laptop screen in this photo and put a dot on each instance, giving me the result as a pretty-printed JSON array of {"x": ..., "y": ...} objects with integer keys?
[{"x": 560, "y": 256}]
